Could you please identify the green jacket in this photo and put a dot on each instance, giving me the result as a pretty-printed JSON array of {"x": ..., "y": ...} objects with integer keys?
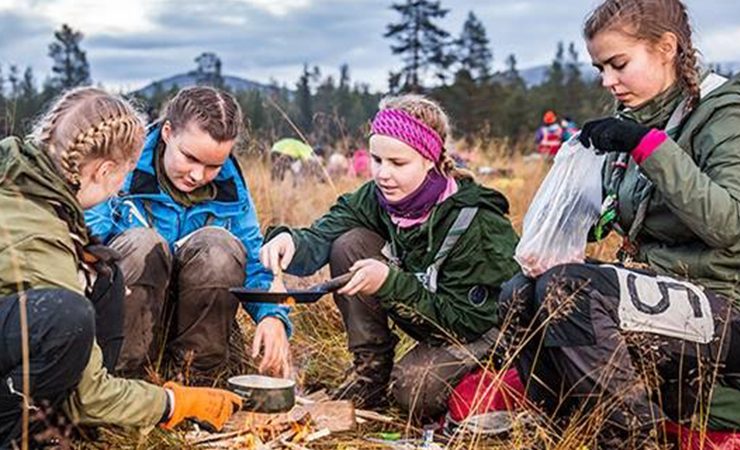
[
  {"x": 692, "y": 225},
  {"x": 465, "y": 303},
  {"x": 37, "y": 251}
]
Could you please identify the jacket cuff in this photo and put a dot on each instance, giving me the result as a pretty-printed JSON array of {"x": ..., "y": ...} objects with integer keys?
[
  {"x": 271, "y": 232},
  {"x": 277, "y": 311},
  {"x": 388, "y": 292},
  {"x": 649, "y": 143}
]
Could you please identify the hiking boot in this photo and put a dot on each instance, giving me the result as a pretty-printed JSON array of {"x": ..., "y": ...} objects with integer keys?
[{"x": 367, "y": 383}]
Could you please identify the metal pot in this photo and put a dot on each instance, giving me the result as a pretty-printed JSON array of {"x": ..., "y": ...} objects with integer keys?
[{"x": 264, "y": 394}]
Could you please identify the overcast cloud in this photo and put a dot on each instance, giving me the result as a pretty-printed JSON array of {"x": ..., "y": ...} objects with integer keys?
[{"x": 130, "y": 43}]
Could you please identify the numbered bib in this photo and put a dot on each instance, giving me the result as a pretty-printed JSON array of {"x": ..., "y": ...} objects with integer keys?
[{"x": 662, "y": 305}]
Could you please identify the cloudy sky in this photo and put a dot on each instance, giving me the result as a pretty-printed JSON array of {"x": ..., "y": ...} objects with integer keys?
[{"x": 130, "y": 43}]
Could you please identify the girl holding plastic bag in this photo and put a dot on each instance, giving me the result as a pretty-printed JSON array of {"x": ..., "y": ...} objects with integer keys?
[{"x": 672, "y": 188}]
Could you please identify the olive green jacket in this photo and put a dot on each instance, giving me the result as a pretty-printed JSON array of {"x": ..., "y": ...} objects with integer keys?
[
  {"x": 465, "y": 302},
  {"x": 37, "y": 251},
  {"x": 692, "y": 225}
]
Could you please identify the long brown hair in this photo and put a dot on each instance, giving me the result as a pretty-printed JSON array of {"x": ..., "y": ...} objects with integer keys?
[
  {"x": 216, "y": 112},
  {"x": 432, "y": 114},
  {"x": 649, "y": 20},
  {"x": 88, "y": 123}
]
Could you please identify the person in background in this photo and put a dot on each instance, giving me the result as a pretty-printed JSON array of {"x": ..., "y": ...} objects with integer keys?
[
  {"x": 549, "y": 136},
  {"x": 569, "y": 127},
  {"x": 361, "y": 163}
]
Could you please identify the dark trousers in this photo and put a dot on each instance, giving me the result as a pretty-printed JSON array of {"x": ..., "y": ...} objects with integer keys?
[
  {"x": 574, "y": 356},
  {"x": 181, "y": 300},
  {"x": 61, "y": 328},
  {"x": 422, "y": 380}
]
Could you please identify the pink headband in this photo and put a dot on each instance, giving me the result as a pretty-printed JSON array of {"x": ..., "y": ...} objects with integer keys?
[{"x": 401, "y": 125}]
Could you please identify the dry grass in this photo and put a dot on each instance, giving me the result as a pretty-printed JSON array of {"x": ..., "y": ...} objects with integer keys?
[{"x": 319, "y": 346}]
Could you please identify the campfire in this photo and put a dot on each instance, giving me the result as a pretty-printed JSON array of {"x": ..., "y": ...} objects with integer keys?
[{"x": 314, "y": 418}]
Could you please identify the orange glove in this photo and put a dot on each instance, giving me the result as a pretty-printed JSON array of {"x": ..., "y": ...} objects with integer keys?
[{"x": 209, "y": 405}]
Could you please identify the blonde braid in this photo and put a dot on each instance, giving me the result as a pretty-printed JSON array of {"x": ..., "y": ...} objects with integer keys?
[
  {"x": 88, "y": 123},
  {"x": 44, "y": 132}
]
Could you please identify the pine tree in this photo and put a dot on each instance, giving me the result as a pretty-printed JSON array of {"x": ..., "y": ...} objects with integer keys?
[
  {"x": 28, "y": 85},
  {"x": 574, "y": 89},
  {"x": 556, "y": 72},
  {"x": 3, "y": 106},
  {"x": 15, "y": 82},
  {"x": 511, "y": 75},
  {"x": 473, "y": 52},
  {"x": 420, "y": 42},
  {"x": 304, "y": 98},
  {"x": 208, "y": 72},
  {"x": 344, "y": 99},
  {"x": 2, "y": 85},
  {"x": 70, "y": 67}
]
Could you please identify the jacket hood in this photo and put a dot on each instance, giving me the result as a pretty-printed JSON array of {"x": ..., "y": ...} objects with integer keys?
[
  {"x": 471, "y": 193},
  {"x": 26, "y": 170}
]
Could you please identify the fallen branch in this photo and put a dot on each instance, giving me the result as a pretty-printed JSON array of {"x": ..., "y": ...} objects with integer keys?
[
  {"x": 362, "y": 415},
  {"x": 322, "y": 433},
  {"x": 221, "y": 437},
  {"x": 287, "y": 443},
  {"x": 372, "y": 415}
]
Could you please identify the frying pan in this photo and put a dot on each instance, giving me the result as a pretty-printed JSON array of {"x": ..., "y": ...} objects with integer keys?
[{"x": 310, "y": 295}]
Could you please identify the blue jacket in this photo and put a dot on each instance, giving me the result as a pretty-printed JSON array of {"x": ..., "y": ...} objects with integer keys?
[{"x": 142, "y": 202}]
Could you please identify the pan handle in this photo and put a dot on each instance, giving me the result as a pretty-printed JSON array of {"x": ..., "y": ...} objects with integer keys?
[{"x": 333, "y": 284}]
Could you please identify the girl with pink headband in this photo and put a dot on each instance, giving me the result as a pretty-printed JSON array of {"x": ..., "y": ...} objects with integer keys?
[{"x": 429, "y": 248}]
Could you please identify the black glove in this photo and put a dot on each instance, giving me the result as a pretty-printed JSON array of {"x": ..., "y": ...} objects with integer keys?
[{"x": 612, "y": 135}]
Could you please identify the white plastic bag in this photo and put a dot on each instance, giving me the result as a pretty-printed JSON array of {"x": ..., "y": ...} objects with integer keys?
[{"x": 566, "y": 206}]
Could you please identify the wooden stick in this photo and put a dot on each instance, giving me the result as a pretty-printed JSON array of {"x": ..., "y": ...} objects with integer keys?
[
  {"x": 287, "y": 443},
  {"x": 222, "y": 436},
  {"x": 361, "y": 414},
  {"x": 372, "y": 415},
  {"x": 322, "y": 433}
]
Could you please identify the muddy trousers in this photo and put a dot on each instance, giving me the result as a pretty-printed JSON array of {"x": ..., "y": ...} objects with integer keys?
[
  {"x": 576, "y": 358},
  {"x": 178, "y": 299},
  {"x": 422, "y": 380},
  {"x": 61, "y": 329}
]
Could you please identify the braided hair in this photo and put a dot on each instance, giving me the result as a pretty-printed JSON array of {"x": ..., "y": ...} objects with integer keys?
[
  {"x": 650, "y": 20},
  {"x": 432, "y": 114},
  {"x": 214, "y": 111},
  {"x": 88, "y": 123}
]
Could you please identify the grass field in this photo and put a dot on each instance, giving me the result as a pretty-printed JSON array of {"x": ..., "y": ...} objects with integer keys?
[{"x": 318, "y": 347}]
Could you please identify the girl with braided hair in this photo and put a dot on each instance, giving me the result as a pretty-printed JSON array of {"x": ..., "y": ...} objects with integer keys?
[
  {"x": 55, "y": 284},
  {"x": 428, "y": 247},
  {"x": 659, "y": 339}
]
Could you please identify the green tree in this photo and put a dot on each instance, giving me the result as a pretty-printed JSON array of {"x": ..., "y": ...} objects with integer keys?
[
  {"x": 70, "y": 66},
  {"x": 421, "y": 43},
  {"x": 304, "y": 98},
  {"x": 3, "y": 106},
  {"x": 473, "y": 49},
  {"x": 208, "y": 71}
]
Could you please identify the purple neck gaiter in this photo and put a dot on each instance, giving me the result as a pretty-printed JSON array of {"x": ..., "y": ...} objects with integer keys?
[{"x": 419, "y": 202}]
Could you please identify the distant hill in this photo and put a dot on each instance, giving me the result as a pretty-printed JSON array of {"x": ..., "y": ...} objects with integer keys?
[
  {"x": 183, "y": 80},
  {"x": 533, "y": 76}
]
